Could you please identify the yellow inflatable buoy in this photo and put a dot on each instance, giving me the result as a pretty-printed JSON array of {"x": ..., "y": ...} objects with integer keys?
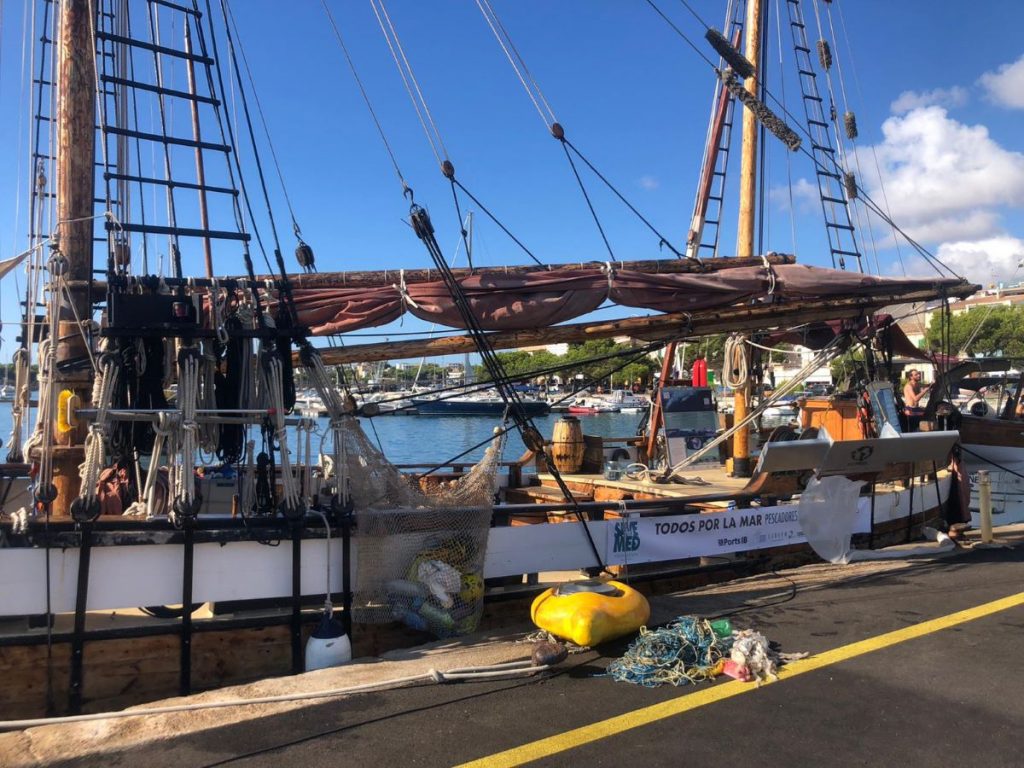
[
  {"x": 67, "y": 405},
  {"x": 590, "y": 612}
]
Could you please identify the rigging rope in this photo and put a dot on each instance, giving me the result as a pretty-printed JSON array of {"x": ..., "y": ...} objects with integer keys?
[
  {"x": 825, "y": 53},
  {"x": 412, "y": 86},
  {"x": 236, "y": 166},
  {"x": 230, "y": 17},
  {"x": 825, "y": 355},
  {"x": 547, "y": 115},
  {"x": 424, "y": 229},
  {"x": 532, "y": 88},
  {"x": 288, "y": 302},
  {"x": 366, "y": 98},
  {"x": 172, "y": 217},
  {"x": 764, "y": 111}
]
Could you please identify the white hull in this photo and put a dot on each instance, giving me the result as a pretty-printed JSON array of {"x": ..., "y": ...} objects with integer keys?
[
  {"x": 1007, "y": 487},
  {"x": 250, "y": 570}
]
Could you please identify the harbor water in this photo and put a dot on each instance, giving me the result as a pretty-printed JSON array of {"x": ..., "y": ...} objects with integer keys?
[{"x": 437, "y": 439}]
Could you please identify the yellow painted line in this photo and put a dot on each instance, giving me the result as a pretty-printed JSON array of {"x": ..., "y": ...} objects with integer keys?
[{"x": 579, "y": 737}]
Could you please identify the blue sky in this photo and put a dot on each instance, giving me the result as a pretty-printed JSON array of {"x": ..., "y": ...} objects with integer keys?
[{"x": 938, "y": 91}]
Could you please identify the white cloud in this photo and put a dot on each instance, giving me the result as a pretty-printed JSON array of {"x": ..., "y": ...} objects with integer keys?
[
  {"x": 1005, "y": 86},
  {"x": 939, "y": 97},
  {"x": 648, "y": 183},
  {"x": 965, "y": 226},
  {"x": 804, "y": 194},
  {"x": 987, "y": 261},
  {"x": 943, "y": 179}
]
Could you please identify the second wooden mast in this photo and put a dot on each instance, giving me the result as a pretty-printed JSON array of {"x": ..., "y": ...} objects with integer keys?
[{"x": 745, "y": 227}]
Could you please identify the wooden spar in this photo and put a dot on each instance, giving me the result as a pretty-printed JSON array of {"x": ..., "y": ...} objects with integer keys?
[
  {"x": 656, "y": 414},
  {"x": 384, "y": 277},
  {"x": 76, "y": 132},
  {"x": 678, "y": 325},
  {"x": 745, "y": 227},
  {"x": 392, "y": 276}
]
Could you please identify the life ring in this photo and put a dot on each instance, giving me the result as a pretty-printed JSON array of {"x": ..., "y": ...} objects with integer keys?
[{"x": 979, "y": 408}]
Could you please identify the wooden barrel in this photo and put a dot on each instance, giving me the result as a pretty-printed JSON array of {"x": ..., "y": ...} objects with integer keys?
[{"x": 567, "y": 444}]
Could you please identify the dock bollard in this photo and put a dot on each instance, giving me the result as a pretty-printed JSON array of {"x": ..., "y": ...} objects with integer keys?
[{"x": 985, "y": 502}]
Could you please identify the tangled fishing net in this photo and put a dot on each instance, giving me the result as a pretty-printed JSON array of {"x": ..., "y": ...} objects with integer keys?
[
  {"x": 686, "y": 651},
  {"x": 691, "y": 650},
  {"x": 421, "y": 546}
]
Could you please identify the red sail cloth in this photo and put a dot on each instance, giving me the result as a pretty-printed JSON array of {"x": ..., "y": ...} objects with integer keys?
[{"x": 540, "y": 299}]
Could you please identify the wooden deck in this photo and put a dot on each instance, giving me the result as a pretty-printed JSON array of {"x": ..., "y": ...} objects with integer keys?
[{"x": 704, "y": 481}]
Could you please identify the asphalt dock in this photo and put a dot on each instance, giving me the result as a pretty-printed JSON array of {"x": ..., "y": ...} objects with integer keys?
[{"x": 912, "y": 662}]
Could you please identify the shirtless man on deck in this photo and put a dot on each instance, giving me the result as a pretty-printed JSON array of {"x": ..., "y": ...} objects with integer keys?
[{"x": 913, "y": 392}]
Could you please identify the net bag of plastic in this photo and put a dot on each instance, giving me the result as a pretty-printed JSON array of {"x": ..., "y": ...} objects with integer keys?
[{"x": 420, "y": 549}]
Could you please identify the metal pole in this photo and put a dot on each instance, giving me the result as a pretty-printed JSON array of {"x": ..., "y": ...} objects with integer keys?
[{"x": 985, "y": 502}]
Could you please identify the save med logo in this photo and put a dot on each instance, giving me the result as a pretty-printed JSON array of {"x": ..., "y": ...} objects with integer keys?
[{"x": 627, "y": 536}]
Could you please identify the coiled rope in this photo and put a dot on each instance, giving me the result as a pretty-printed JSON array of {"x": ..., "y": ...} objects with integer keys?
[
  {"x": 735, "y": 372},
  {"x": 21, "y": 399}
]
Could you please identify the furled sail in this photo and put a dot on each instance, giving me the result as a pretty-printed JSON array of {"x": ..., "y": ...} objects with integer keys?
[{"x": 520, "y": 301}]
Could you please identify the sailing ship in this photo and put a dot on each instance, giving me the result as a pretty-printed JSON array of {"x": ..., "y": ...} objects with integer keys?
[{"x": 113, "y": 505}]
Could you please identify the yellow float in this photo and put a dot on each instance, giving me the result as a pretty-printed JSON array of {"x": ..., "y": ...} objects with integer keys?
[
  {"x": 67, "y": 405},
  {"x": 590, "y": 612}
]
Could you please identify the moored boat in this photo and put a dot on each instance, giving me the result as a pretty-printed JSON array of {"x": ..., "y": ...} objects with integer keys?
[{"x": 476, "y": 405}]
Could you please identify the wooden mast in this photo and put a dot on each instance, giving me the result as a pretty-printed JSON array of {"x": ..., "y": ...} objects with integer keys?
[
  {"x": 76, "y": 132},
  {"x": 745, "y": 228}
]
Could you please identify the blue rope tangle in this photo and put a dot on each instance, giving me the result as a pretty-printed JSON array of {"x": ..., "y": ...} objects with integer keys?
[{"x": 688, "y": 650}]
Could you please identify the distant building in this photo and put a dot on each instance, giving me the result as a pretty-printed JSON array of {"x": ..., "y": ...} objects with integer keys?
[{"x": 916, "y": 319}]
